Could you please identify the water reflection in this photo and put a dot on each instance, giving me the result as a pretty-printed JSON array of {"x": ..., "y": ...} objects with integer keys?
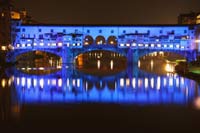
[
  {"x": 68, "y": 85},
  {"x": 122, "y": 88}
]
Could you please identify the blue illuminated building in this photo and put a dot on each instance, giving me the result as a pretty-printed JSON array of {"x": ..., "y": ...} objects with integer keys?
[{"x": 68, "y": 41}]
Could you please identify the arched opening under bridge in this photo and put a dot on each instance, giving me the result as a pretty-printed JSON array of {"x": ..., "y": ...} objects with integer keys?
[
  {"x": 100, "y": 62},
  {"x": 160, "y": 62},
  {"x": 38, "y": 62}
]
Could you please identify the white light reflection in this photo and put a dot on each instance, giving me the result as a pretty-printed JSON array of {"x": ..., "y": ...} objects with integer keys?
[
  {"x": 98, "y": 64},
  {"x": 18, "y": 81},
  {"x": 59, "y": 82},
  {"x": 28, "y": 83},
  {"x": 42, "y": 83},
  {"x": 152, "y": 82},
  {"x": 34, "y": 82},
  {"x": 121, "y": 82},
  {"x": 78, "y": 83},
  {"x": 146, "y": 83},
  {"x": 139, "y": 64},
  {"x": 67, "y": 82},
  {"x": 182, "y": 81},
  {"x": 158, "y": 83},
  {"x": 23, "y": 81},
  {"x": 111, "y": 64},
  {"x": 170, "y": 81},
  {"x": 73, "y": 82},
  {"x": 133, "y": 83}
]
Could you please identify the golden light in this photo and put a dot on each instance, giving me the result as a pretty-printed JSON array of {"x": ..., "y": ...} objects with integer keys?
[
  {"x": 197, "y": 103},
  {"x": 4, "y": 48},
  {"x": 3, "y": 83},
  {"x": 169, "y": 68}
]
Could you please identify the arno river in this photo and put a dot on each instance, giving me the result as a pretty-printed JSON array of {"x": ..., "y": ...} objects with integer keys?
[{"x": 95, "y": 78}]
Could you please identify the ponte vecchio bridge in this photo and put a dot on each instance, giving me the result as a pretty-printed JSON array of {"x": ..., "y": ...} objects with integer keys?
[{"x": 132, "y": 41}]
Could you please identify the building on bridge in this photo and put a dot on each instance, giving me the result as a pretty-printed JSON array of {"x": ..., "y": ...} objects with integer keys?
[
  {"x": 166, "y": 36},
  {"x": 30, "y": 37}
]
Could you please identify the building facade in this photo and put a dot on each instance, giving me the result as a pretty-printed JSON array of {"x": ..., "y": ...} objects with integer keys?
[{"x": 76, "y": 36}]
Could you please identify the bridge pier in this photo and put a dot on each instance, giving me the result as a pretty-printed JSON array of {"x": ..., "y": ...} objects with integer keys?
[
  {"x": 67, "y": 56},
  {"x": 132, "y": 56},
  {"x": 132, "y": 62}
]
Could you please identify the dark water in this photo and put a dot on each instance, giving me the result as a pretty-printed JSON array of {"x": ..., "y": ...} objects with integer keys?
[{"x": 102, "y": 92}]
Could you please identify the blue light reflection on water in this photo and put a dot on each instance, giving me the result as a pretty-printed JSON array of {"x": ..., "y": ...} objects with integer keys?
[{"x": 70, "y": 86}]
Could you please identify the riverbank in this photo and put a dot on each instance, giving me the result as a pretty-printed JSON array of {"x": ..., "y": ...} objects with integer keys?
[{"x": 191, "y": 70}]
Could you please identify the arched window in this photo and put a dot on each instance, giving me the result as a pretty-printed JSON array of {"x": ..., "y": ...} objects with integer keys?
[
  {"x": 112, "y": 40},
  {"x": 88, "y": 40},
  {"x": 100, "y": 40}
]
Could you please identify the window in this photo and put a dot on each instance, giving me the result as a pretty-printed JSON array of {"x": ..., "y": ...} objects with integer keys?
[
  {"x": 64, "y": 31},
  {"x": 112, "y": 31},
  {"x": 124, "y": 31},
  {"x": 23, "y": 30},
  {"x": 88, "y": 31},
  {"x": 161, "y": 31},
  {"x": 40, "y": 30},
  {"x": 136, "y": 31},
  {"x": 185, "y": 31},
  {"x": 40, "y": 36},
  {"x": 100, "y": 31},
  {"x": 148, "y": 32},
  {"x": 51, "y": 30}
]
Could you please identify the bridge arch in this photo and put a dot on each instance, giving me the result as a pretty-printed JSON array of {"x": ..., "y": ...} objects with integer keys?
[
  {"x": 112, "y": 40},
  {"x": 13, "y": 56},
  {"x": 88, "y": 40},
  {"x": 100, "y": 40}
]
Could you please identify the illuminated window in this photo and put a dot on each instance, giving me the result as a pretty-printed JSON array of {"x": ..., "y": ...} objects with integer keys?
[
  {"x": 140, "y": 45},
  {"x": 122, "y": 44},
  {"x": 134, "y": 44},
  {"x": 159, "y": 45},
  {"x": 2, "y": 14}
]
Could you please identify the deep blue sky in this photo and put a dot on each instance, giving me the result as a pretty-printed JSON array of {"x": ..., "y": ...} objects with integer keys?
[{"x": 108, "y": 11}]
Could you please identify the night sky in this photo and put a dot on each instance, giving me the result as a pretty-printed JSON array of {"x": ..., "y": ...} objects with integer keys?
[{"x": 108, "y": 11}]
